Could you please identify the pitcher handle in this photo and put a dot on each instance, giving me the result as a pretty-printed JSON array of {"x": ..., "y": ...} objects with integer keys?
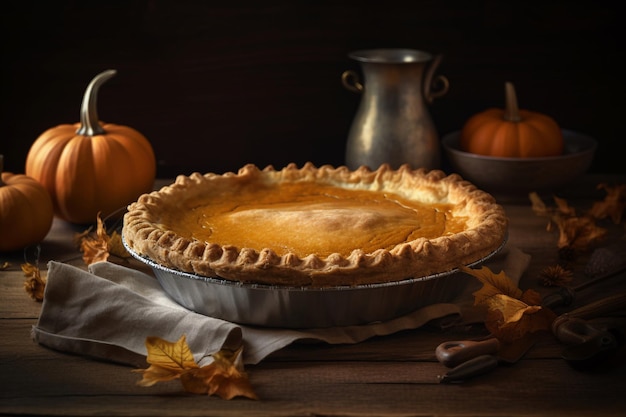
[
  {"x": 440, "y": 81},
  {"x": 350, "y": 80},
  {"x": 443, "y": 86}
]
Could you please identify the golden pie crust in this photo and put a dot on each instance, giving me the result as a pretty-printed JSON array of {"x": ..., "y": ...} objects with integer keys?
[{"x": 316, "y": 227}]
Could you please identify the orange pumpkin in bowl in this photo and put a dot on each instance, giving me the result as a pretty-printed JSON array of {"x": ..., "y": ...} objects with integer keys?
[{"x": 512, "y": 132}]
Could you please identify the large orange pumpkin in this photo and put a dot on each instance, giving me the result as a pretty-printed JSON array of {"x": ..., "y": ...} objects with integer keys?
[
  {"x": 512, "y": 132},
  {"x": 92, "y": 167},
  {"x": 25, "y": 211}
]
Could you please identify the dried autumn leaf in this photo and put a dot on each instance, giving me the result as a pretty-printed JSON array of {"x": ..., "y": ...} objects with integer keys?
[
  {"x": 563, "y": 208},
  {"x": 173, "y": 356},
  {"x": 613, "y": 205},
  {"x": 531, "y": 297},
  {"x": 511, "y": 313},
  {"x": 98, "y": 247},
  {"x": 512, "y": 309},
  {"x": 578, "y": 232},
  {"x": 537, "y": 205},
  {"x": 116, "y": 247},
  {"x": 79, "y": 237},
  {"x": 35, "y": 284},
  {"x": 5, "y": 265},
  {"x": 493, "y": 284},
  {"x": 223, "y": 377},
  {"x": 167, "y": 360},
  {"x": 575, "y": 232},
  {"x": 95, "y": 248},
  {"x": 508, "y": 330},
  {"x": 541, "y": 209}
]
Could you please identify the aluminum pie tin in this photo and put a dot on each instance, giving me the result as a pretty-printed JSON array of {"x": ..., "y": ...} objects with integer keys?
[{"x": 305, "y": 307}]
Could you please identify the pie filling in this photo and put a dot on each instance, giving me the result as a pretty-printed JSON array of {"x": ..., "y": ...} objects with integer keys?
[{"x": 306, "y": 218}]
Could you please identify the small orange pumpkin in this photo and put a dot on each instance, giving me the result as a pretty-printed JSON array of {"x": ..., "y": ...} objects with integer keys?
[
  {"x": 25, "y": 211},
  {"x": 512, "y": 132},
  {"x": 92, "y": 167}
]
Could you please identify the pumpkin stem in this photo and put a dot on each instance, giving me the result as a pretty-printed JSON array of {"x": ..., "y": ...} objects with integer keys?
[
  {"x": 89, "y": 122},
  {"x": 511, "y": 110}
]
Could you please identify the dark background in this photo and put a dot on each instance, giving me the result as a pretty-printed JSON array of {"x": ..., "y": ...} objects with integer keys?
[{"x": 217, "y": 84}]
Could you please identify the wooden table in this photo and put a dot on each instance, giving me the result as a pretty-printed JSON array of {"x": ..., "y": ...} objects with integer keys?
[{"x": 392, "y": 375}]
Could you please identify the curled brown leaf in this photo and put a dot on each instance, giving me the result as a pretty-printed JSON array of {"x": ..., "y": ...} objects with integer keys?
[
  {"x": 35, "y": 284},
  {"x": 613, "y": 205},
  {"x": 98, "y": 246},
  {"x": 511, "y": 312},
  {"x": 576, "y": 232},
  {"x": 223, "y": 377}
]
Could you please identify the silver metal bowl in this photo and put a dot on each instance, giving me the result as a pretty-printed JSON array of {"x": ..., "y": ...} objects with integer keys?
[
  {"x": 514, "y": 178},
  {"x": 303, "y": 307}
]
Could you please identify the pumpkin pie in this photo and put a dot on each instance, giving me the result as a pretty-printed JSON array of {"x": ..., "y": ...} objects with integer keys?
[{"x": 316, "y": 226}]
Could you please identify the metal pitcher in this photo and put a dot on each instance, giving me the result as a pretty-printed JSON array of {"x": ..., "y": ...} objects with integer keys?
[{"x": 392, "y": 124}]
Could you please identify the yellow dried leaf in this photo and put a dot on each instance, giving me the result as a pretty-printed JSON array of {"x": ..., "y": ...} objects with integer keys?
[
  {"x": 492, "y": 284},
  {"x": 116, "y": 247},
  {"x": 35, "y": 284},
  {"x": 167, "y": 360},
  {"x": 575, "y": 232},
  {"x": 578, "y": 232},
  {"x": 541, "y": 209},
  {"x": 531, "y": 320},
  {"x": 537, "y": 205},
  {"x": 511, "y": 313},
  {"x": 613, "y": 205},
  {"x": 79, "y": 237},
  {"x": 155, "y": 373},
  {"x": 95, "y": 248},
  {"x": 223, "y": 377},
  {"x": 99, "y": 246},
  {"x": 174, "y": 356},
  {"x": 563, "y": 207},
  {"x": 512, "y": 309},
  {"x": 5, "y": 265},
  {"x": 531, "y": 297}
]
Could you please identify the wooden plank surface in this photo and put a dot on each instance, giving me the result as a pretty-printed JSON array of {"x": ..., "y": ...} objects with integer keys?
[{"x": 394, "y": 375}]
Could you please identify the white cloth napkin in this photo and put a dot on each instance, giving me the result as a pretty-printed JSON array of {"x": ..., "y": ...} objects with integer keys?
[{"x": 108, "y": 312}]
